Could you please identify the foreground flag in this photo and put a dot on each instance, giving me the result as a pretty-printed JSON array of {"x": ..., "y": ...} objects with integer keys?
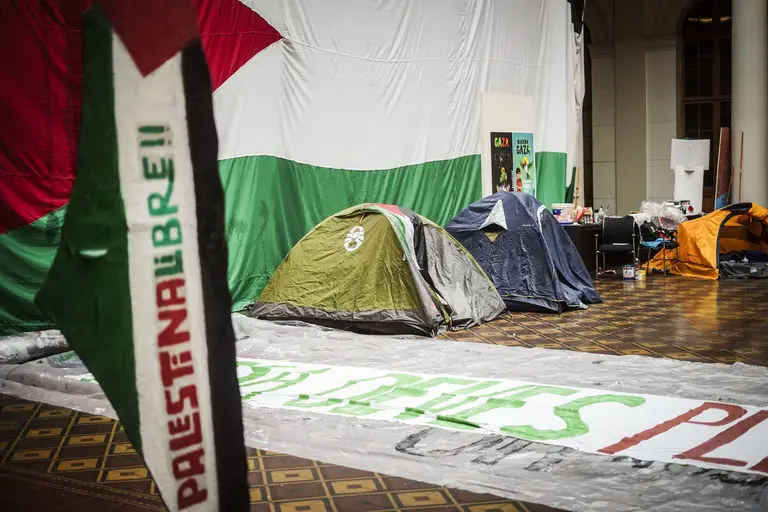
[{"x": 139, "y": 283}]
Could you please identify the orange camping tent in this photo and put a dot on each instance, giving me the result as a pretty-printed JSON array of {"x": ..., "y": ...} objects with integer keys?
[{"x": 738, "y": 227}]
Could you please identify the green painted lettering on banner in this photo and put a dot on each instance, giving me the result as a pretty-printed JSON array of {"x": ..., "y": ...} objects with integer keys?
[
  {"x": 417, "y": 389},
  {"x": 394, "y": 386},
  {"x": 168, "y": 265},
  {"x": 256, "y": 371},
  {"x": 155, "y": 169},
  {"x": 361, "y": 406},
  {"x": 166, "y": 234},
  {"x": 435, "y": 406},
  {"x": 160, "y": 204},
  {"x": 569, "y": 413},
  {"x": 152, "y": 135},
  {"x": 513, "y": 401},
  {"x": 282, "y": 380},
  {"x": 155, "y": 138},
  {"x": 405, "y": 386},
  {"x": 471, "y": 385}
]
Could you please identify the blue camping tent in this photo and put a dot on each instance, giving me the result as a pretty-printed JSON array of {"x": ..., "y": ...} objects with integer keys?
[{"x": 526, "y": 253}]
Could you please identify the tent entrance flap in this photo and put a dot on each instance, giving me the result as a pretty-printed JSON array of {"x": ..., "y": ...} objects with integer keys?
[{"x": 496, "y": 217}]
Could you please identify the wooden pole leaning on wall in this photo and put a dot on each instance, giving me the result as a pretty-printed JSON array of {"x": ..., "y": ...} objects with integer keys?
[
  {"x": 730, "y": 185},
  {"x": 741, "y": 164},
  {"x": 576, "y": 188}
]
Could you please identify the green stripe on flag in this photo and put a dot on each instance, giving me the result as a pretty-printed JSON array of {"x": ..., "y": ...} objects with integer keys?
[
  {"x": 26, "y": 254},
  {"x": 550, "y": 181},
  {"x": 273, "y": 202},
  {"x": 277, "y": 201},
  {"x": 89, "y": 297}
]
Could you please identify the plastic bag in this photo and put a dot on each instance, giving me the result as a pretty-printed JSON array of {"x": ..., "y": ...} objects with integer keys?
[
  {"x": 662, "y": 215},
  {"x": 21, "y": 348}
]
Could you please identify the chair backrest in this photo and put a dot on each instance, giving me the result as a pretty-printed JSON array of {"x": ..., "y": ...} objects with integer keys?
[
  {"x": 649, "y": 232},
  {"x": 618, "y": 230}
]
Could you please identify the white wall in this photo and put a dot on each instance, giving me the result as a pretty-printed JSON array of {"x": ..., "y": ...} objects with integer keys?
[{"x": 503, "y": 113}]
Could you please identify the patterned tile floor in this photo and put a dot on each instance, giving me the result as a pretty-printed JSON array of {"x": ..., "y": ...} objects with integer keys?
[
  {"x": 678, "y": 318},
  {"x": 56, "y": 459}
]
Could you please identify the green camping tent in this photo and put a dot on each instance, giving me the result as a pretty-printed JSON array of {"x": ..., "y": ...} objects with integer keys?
[{"x": 380, "y": 269}]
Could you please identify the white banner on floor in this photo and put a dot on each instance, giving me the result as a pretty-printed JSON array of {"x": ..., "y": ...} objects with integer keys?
[{"x": 646, "y": 427}]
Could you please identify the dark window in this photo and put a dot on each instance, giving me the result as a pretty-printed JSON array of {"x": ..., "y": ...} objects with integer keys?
[
  {"x": 725, "y": 113},
  {"x": 725, "y": 67},
  {"x": 706, "y": 87}
]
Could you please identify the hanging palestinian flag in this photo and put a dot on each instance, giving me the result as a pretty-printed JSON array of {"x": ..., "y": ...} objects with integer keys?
[
  {"x": 139, "y": 283},
  {"x": 312, "y": 117}
]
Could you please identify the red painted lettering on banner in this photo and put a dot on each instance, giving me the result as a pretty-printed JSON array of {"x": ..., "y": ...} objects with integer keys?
[
  {"x": 187, "y": 393},
  {"x": 189, "y": 425},
  {"x": 190, "y": 493},
  {"x": 734, "y": 412},
  {"x": 723, "y": 438},
  {"x": 180, "y": 372},
  {"x": 174, "y": 366},
  {"x": 189, "y": 464},
  {"x": 171, "y": 334},
  {"x": 167, "y": 293},
  {"x": 761, "y": 466}
]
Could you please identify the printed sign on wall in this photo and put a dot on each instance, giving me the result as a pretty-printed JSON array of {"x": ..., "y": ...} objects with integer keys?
[
  {"x": 523, "y": 163},
  {"x": 501, "y": 162}
]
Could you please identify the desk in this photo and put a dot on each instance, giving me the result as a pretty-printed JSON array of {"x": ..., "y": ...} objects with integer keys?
[{"x": 583, "y": 237}]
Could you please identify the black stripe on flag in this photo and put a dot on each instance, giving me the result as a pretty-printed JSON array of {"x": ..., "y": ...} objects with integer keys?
[
  {"x": 577, "y": 14},
  {"x": 231, "y": 464}
]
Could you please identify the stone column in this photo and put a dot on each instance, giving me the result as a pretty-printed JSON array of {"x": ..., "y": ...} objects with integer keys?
[
  {"x": 661, "y": 115},
  {"x": 629, "y": 76},
  {"x": 750, "y": 100},
  {"x": 603, "y": 127}
]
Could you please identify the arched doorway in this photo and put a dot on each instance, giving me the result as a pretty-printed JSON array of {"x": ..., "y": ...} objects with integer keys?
[{"x": 706, "y": 78}]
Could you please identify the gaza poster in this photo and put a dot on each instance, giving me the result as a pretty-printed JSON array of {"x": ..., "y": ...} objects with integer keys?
[
  {"x": 501, "y": 162},
  {"x": 523, "y": 164}
]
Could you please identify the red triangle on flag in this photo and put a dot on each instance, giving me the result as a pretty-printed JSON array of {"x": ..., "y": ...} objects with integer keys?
[
  {"x": 152, "y": 31},
  {"x": 231, "y": 33}
]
